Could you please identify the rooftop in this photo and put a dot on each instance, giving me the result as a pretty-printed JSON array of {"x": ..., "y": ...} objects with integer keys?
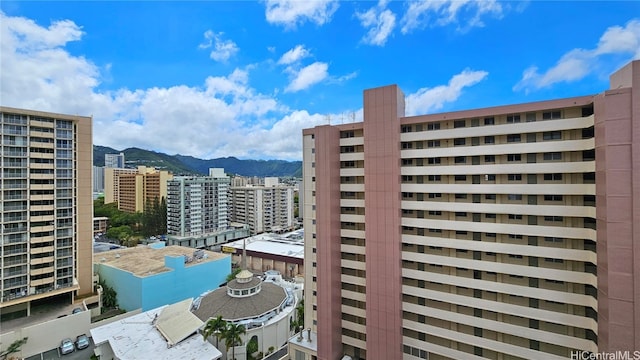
[
  {"x": 145, "y": 261},
  {"x": 219, "y": 303},
  {"x": 136, "y": 337},
  {"x": 291, "y": 244}
]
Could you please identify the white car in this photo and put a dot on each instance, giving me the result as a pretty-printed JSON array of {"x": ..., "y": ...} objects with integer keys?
[{"x": 67, "y": 347}]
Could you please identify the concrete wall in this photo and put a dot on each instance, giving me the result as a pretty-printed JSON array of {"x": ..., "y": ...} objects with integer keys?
[{"x": 127, "y": 286}]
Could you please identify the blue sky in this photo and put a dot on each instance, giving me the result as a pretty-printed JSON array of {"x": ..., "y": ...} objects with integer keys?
[{"x": 241, "y": 78}]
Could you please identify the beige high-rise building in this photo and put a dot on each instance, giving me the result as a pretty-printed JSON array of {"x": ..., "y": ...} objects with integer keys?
[
  {"x": 46, "y": 206},
  {"x": 510, "y": 232},
  {"x": 133, "y": 188},
  {"x": 267, "y": 208}
]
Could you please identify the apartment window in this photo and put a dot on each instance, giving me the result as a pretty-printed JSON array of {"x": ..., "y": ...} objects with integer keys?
[
  {"x": 490, "y": 216},
  {"x": 489, "y": 140},
  {"x": 514, "y": 197},
  {"x": 347, "y": 149},
  {"x": 461, "y": 214},
  {"x": 407, "y": 145},
  {"x": 460, "y": 177},
  {"x": 347, "y": 134},
  {"x": 515, "y": 256},
  {"x": 435, "y": 230},
  {"x": 552, "y": 260},
  {"x": 459, "y": 141},
  {"x": 553, "y": 198},
  {"x": 407, "y": 178},
  {"x": 460, "y": 196},
  {"x": 515, "y": 236},
  {"x": 553, "y": 239},
  {"x": 435, "y": 177},
  {"x": 433, "y": 160},
  {"x": 489, "y": 121},
  {"x": 433, "y": 143},
  {"x": 514, "y": 177},
  {"x": 515, "y": 217},
  {"x": 406, "y": 162},
  {"x": 552, "y": 156},
  {"x": 435, "y": 213},
  {"x": 549, "y": 115},
  {"x": 491, "y": 235},
  {"x": 433, "y": 126},
  {"x": 460, "y": 159},
  {"x": 513, "y": 138},
  {"x": 553, "y": 177},
  {"x": 490, "y": 196},
  {"x": 553, "y": 218},
  {"x": 514, "y": 157},
  {"x": 459, "y": 124},
  {"x": 552, "y": 135},
  {"x": 490, "y": 177},
  {"x": 489, "y": 158},
  {"x": 512, "y": 119},
  {"x": 407, "y": 195},
  {"x": 405, "y": 128},
  {"x": 435, "y": 195}
]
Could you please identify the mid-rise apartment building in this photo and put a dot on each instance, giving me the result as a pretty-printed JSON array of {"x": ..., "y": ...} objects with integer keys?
[
  {"x": 133, "y": 189},
  {"x": 198, "y": 205},
  {"x": 114, "y": 160},
  {"x": 46, "y": 206},
  {"x": 509, "y": 232},
  {"x": 267, "y": 208}
]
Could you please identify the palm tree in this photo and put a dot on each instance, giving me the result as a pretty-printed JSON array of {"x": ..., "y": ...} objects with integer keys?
[
  {"x": 232, "y": 337},
  {"x": 214, "y": 327}
]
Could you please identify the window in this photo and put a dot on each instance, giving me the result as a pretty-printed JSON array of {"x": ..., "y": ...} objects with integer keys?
[
  {"x": 515, "y": 256},
  {"x": 489, "y": 140},
  {"x": 406, "y": 162},
  {"x": 490, "y": 177},
  {"x": 552, "y": 260},
  {"x": 435, "y": 177},
  {"x": 461, "y": 196},
  {"x": 489, "y": 158},
  {"x": 553, "y": 239},
  {"x": 407, "y": 145},
  {"x": 347, "y": 149},
  {"x": 551, "y": 115},
  {"x": 552, "y": 156},
  {"x": 515, "y": 236},
  {"x": 433, "y": 160},
  {"x": 553, "y": 198},
  {"x": 433, "y": 143},
  {"x": 490, "y": 196},
  {"x": 553, "y": 218},
  {"x": 407, "y": 178},
  {"x": 347, "y": 134},
  {"x": 489, "y": 121},
  {"x": 405, "y": 128},
  {"x": 552, "y": 135},
  {"x": 461, "y": 214},
  {"x": 490, "y": 216},
  {"x": 460, "y": 159},
  {"x": 514, "y": 197},
  {"x": 433, "y": 126},
  {"x": 514, "y": 157},
  {"x": 514, "y": 177},
  {"x": 458, "y": 124},
  {"x": 512, "y": 119},
  {"x": 460, "y": 177},
  {"x": 436, "y": 213},
  {"x": 553, "y": 177},
  {"x": 459, "y": 141},
  {"x": 435, "y": 195},
  {"x": 513, "y": 138}
]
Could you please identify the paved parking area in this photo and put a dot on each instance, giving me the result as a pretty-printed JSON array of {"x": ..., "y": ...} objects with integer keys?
[{"x": 54, "y": 354}]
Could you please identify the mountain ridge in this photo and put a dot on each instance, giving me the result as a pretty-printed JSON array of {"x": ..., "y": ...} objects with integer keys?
[{"x": 189, "y": 165}]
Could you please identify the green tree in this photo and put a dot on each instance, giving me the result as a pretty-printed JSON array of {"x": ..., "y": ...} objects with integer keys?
[
  {"x": 215, "y": 327},
  {"x": 109, "y": 295},
  {"x": 14, "y": 347},
  {"x": 233, "y": 274},
  {"x": 252, "y": 347},
  {"x": 233, "y": 337}
]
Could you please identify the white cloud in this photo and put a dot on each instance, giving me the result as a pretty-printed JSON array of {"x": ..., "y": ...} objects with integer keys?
[
  {"x": 294, "y": 55},
  {"x": 578, "y": 63},
  {"x": 308, "y": 76},
  {"x": 291, "y": 13},
  {"x": 222, "y": 49},
  {"x": 429, "y": 99},
  {"x": 465, "y": 13},
  {"x": 380, "y": 21},
  {"x": 224, "y": 116}
]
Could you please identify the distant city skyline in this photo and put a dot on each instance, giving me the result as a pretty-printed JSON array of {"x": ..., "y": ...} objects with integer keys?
[{"x": 217, "y": 79}]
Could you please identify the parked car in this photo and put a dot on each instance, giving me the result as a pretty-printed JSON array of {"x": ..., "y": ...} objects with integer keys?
[
  {"x": 76, "y": 310},
  {"x": 82, "y": 342},
  {"x": 66, "y": 347}
]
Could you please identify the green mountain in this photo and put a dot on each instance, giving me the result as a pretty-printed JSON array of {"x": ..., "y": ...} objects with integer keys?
[{"x": 188, "y": 165}]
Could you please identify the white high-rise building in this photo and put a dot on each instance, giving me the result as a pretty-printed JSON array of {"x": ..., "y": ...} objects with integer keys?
[
  {"x": 114, "y": 160},
  {"x": 266, "y": 208}
]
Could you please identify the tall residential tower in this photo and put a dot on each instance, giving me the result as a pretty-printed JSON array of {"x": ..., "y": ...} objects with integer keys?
[
  {"x": 505, "y": 232},
  {"x": 46, "y": 206}
]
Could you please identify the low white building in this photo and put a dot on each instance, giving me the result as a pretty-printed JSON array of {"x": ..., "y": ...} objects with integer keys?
[
  {"x": 168, "y": 332},
  {"x": 264, "y": 306}
]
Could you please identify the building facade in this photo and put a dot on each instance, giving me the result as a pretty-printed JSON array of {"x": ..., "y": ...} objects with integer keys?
[
  {"x": 133, "y": 189},
  {"x": 46, "y": 206},
  {"x": 98, "y": 179},
  {"x": 266, "y": 208},
  {"x": 505, "y": 232},
  {"x": 114, "y": 160},
  {"x": 197, "y": 205}
]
